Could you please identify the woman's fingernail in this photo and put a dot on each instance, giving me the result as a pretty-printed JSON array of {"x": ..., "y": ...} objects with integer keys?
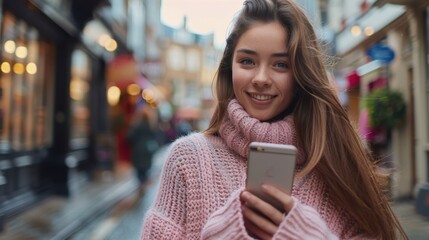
[{"x": 245, "y": 195}]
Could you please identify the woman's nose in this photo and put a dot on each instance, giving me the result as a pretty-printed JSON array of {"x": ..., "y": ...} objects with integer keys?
[{"x": 261, "y": 79}]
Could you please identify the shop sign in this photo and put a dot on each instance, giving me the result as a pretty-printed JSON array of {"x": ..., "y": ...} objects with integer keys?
[{"x": 381, "y": 52}]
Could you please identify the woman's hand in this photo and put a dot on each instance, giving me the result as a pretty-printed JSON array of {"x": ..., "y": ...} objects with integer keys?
[{"x": 261, "y": 219}]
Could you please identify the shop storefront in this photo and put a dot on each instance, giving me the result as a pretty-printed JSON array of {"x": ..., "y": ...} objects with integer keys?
[
  {"x": 53, "y": 106},
  {"x": 378, "y": 54},
  {"x": 405, "y": 30},
  {"x": 422, "y": 205},
  {"x": 26, "y": 108}
]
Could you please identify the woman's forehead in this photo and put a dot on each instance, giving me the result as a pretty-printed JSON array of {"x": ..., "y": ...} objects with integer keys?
[{"x": 264, "y": 36}]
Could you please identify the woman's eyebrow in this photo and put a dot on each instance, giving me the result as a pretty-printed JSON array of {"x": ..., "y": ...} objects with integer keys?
[
  {"x": 251, "y": 52},
  {"x": 247, "y": 51},
  {"x": 283, "y": 54}
]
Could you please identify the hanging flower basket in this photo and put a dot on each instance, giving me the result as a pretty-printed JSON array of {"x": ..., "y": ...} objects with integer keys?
[{"x": 386, "y": 108}]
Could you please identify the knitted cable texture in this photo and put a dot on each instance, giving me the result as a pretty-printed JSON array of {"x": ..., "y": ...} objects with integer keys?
[
  {"x": 238, "y": 129},
  {"x": 204, "y": 175}
]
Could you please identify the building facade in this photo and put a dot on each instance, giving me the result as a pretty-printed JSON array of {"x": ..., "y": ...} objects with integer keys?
[
  {"x": 54, "y": 126},
  {"x": 383, "y": 44},
  {"x": 190, "y": 61}
]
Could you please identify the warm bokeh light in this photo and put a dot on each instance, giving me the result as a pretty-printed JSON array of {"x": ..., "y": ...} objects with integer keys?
[
  {"x": 9, "y": 46},
  {"x": 103, "y": 39},
  {"x": 113, "y": 95},
  {"x": 133, "y": 89},
  {"x": 5, "y": 67},
  {"x": 18, "y": 68},
  {"x": 78, "y": 89},
  {"x": 21, "y": 52},
  {"x": 369, "y": 31},
  {"x": 148, "y": 95},
  {"x": 111, "y": 45},
  {"x": 356, "y": 30},
  {"x": 31, "y": 68}
]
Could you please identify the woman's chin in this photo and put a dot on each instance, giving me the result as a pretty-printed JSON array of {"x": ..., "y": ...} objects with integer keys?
[{"x": 261, "y": 116}]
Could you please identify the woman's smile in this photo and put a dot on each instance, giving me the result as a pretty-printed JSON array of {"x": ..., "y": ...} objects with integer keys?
[{"x": 261, "y": 97}]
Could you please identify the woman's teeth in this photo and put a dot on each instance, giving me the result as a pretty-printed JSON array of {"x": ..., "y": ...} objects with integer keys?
[{"x": 261, "y": 97}]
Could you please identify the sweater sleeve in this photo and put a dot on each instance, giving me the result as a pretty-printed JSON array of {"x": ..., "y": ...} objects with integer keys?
[
  {"x": 304, "y": 222},
  {"x": 157, "y": 226},
  {"x": 166, "y": 218},
  {"x": 227, "y": 222}
]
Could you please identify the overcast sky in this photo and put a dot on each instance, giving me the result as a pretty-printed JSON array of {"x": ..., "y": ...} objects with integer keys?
[{"x": 204, "y": 16}]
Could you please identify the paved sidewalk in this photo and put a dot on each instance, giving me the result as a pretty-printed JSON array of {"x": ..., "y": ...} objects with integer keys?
[
  {"x": 415, "y": 225},
  {"x": 125, "y": 220},
  {"x": 57, "y": 218}
]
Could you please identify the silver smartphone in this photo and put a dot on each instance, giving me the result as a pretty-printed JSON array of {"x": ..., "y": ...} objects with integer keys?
[{"x": 270, "y": 163}]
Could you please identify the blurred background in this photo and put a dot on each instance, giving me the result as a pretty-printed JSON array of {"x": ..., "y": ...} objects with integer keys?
[{"x": 77, "y": 75}]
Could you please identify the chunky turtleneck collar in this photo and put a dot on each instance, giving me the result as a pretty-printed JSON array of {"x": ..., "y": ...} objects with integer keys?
[{"x": 239, "y": 129}]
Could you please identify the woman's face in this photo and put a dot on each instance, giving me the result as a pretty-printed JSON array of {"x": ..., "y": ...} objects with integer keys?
[{"x": 262, "y": 80}]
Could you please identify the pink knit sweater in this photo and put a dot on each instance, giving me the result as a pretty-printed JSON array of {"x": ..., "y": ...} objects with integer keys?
[{"x": 204, "y": 175}]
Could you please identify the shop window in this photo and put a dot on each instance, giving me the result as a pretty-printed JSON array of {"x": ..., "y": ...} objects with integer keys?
[
  {"x": 26, "y": 87},
  {"x": 79, "y": 94}
]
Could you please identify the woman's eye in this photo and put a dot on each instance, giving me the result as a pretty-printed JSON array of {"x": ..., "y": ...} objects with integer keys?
[
  {"x": 246, "y": 62},
  {"x": 282, "y": 65}
]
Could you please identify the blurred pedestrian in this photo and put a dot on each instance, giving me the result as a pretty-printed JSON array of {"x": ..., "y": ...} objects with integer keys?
[
  {"x": 272, "y": 86},
  {"x": 121, "y": 117},
  {"x": 141, "y": 137}
]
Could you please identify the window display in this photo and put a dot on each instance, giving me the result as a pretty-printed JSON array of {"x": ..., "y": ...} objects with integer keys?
[{"x": 26, "y": 87}]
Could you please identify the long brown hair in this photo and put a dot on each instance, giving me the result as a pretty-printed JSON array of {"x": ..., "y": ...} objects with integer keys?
[{"x": 329, "y": 140}]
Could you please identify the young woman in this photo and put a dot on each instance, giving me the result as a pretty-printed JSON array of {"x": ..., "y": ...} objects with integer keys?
[{"x": 272, "y": 86}]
